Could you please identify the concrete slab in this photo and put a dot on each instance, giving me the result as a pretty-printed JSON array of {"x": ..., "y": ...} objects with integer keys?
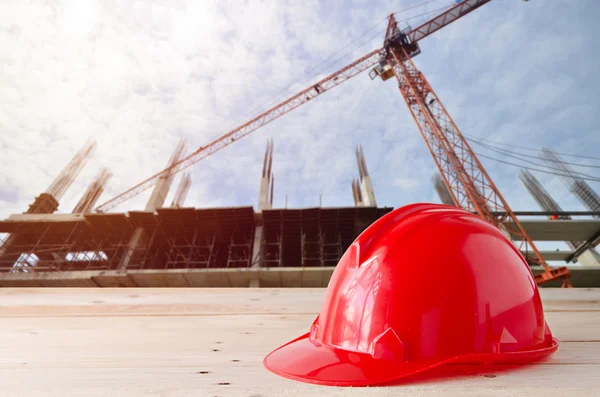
[
  {"x": 561, "y": 230},
  {"x": 586, "y": 277},
  {"x": 159, "y": 278},
  {"x": 113, "y": 279},
  {"x": 239, "y": 278},
  {"x": 581, "y": 276},
  {"x": 19, "y": 283},
  {"x": 48, "y": 279},
  {"x": 196, "y": 278}
]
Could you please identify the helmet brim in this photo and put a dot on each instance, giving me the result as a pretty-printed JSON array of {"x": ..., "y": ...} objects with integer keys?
[{"x": 301, "y": 360}]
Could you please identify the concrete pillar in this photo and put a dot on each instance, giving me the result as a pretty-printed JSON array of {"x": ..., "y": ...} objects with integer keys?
[
  {"x": 254, "y": 282},
  {"x": 368, "y": 193},
  {"x": 156, "y": 200},
  {"x": 257, "y": 244},
  {"x": 363, "y": 192},
  {"x": 138, "y": 239},
  {"x": 267, "y": 180},
  {"x": 589, "y": 258},
  {"x": 265, "y": 202},
  {"x": 159, "y": 194}
]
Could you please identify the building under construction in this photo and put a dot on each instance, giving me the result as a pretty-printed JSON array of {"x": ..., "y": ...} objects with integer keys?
[
  {"x": 169, "y": 244},
  {"x": 174, "y": 245}
]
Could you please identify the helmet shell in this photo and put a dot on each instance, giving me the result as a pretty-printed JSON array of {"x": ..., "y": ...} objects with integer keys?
[{"x": 424, "y": 285}]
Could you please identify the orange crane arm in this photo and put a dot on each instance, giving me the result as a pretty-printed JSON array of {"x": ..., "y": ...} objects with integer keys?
[
  {"x": 447, "y": 17},
  {"x": 273, "y": 113}
]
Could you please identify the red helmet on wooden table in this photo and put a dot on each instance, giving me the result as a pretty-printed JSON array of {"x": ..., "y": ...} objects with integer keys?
[{"x": 423, "y": 286}]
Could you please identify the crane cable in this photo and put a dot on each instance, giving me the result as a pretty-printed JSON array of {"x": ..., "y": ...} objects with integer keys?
[
  {"x": 496, "y": 144},
  {"x": 507, "y": 153},
  {"x": 545, "y": 171}
]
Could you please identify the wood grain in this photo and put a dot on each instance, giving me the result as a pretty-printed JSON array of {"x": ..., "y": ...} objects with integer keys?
[{"x": 205, "y": 342}]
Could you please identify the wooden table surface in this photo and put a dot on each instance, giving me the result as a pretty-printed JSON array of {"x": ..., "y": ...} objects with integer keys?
[{"x": 211, "y": 342}]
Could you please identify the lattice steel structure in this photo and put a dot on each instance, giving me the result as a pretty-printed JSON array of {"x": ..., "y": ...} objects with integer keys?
[
  {"x": 467, "y": 180},
  {"x": 185, "y": 238},
  {"x": 580, "y": 188}
]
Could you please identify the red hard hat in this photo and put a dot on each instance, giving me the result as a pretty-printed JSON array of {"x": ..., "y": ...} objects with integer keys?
[{"x": 423, "y": 286}]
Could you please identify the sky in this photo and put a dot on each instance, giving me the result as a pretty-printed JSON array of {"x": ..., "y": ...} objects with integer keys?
[{"x": 136, "y": 76}]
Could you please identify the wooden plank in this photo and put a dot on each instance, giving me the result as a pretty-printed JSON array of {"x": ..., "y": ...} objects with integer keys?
[
  {"x": 169, "y": 355},
  {"x": 241, "y": 381},
  {"x": 145, "y": 343},
  {"x": 39, "y": 302}
]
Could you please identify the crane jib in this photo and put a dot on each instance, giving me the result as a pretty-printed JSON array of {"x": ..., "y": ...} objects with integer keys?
[
  {"x": 335, "y": 79},
  {"x": 444, "y": 19}
]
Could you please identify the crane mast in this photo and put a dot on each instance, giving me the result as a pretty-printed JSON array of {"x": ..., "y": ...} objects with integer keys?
[{"x": 467, "y": 180}]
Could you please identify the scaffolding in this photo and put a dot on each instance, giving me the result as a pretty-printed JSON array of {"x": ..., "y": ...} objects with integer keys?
[
  {"x": 181, "y": 238},
  {"x": 321, "y": 249},
  {"x": 191, "y": 251},
  {"x": 71, "y": 247},
  {"x": 312, "y": 237},
  {"x": 185, "y": 238},
  {"x": 272, "y": 249},
  {"x": 311, "y": 250},
  {"x": 239, "y": 253}
]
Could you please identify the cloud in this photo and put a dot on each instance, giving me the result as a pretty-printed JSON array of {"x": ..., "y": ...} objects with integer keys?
[
  {"x": 137, "y": 76},
  {"x": 406, "y": 183}
]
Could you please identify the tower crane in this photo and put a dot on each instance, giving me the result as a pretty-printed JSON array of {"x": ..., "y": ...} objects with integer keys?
[{"x": 468, "y": 182}]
